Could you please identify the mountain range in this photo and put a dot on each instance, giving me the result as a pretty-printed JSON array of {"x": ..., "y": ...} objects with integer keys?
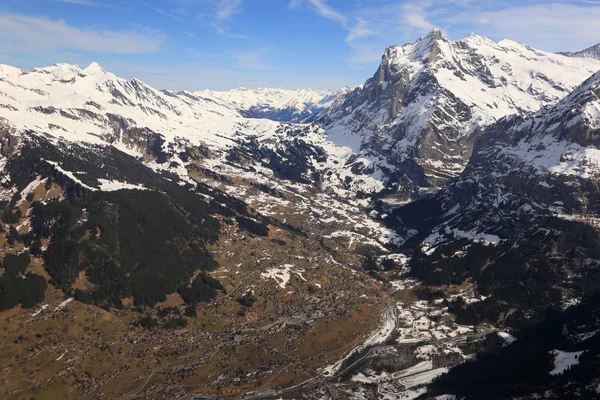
[
  {"x": 590, "y": 52},
  {"x": 420, "y": 114},
  {"x": 455, "y": 192},
  {"x": 283, "y": 105}
]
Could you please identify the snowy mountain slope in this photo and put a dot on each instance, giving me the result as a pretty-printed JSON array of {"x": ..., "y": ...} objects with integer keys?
[
  {"x": 284, "y": 105},
  {"x": 91, "y": 105},
  {"x": 590, "y": 52},
  {"x": 94, "y": 106},
  {"x": 524, "y": 210},
  {"x": 423, "y": 108}
]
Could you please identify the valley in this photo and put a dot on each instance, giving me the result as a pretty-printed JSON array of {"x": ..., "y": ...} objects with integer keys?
[{"x": 380, "y": 242}]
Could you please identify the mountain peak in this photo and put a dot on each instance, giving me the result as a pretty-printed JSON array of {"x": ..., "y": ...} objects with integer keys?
[
  {"x": 427, "y": 43},
  {"x": 428, "y": 48},
  {"x": 435, "y": 34},
  {"x": 94, "y": 69},
  {"x": 478, "y": 39},
  {"x": 8, "y": 70}
]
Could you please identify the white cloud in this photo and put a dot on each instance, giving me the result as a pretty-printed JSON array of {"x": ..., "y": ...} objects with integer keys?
[
  {"x": 360, "y": 31},
  {"x": 324, "y": 10},
  {"x": 415, "y": 17},
  {"x": 224, "y": 11},
  {"x": 228, "y": 8},
  {"x": 224, "y": 32},
  {"x": 551, "y": 27},
  {"x": 294, "y": 4},
  {"x": 80, "y": 2},
  {"x": 158, "y": 10},
  {"x": 26, "y": 34}
]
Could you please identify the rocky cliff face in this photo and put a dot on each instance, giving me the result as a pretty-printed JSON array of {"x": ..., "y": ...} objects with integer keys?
[{"x": 419, "y": 115}]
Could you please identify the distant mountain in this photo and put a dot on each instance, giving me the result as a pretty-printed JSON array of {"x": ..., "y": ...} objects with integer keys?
[
  {"x": 96, "y": 106},
  {"x": 590, "y": 52},
  {"x": 418, "y": 116},
  {"x": 93, "y": 106},
  {"x": 300, "y": 105}
]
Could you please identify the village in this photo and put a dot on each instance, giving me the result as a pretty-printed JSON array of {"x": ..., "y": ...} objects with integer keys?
[{"x": 273, "y": 327}]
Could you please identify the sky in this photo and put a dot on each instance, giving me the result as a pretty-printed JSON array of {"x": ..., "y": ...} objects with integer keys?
[{"x": 224, "y": 44}]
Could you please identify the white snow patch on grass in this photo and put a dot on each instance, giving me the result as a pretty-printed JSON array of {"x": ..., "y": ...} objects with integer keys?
[
  {"x": 63, "y": 304},
  {"x": 422, "y": 378},
  {"x": 281, "y": 275},
  {"x": 70, "y": 175},
  {"x": 31, "y": 187},
  {"x": 39, "y": 311},
  {"x": 107, "y": 185}
]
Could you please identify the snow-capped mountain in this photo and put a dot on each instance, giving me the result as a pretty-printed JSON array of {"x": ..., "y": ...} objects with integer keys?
[
  {"x": 529, "y": 193},
  {"x": 521, "y": 222},
  {"x": 93, "y": 105},
  {"x": 284, "y": 105},
  {"x": 590, "y": 52},
  {"x": 420, "y": 113}
]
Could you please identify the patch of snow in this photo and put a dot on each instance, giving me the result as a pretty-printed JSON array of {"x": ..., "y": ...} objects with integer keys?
[
  {"x": 63, "y": 304},
  {"x": 113, "y": 185},
  {"x": 507, "y": 337},
  {"x": 280, "y": 275},
  {"x": 564, "y": 360},
  {"x": 39, "y": 311}
]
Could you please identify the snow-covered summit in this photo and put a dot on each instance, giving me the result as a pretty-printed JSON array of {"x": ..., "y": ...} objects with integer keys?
[{"x": 428, "y": 100}]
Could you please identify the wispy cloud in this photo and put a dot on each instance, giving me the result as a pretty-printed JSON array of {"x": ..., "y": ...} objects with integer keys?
[
  {"x": 360, "y": 31},
  {"x": 251, "y": 61},
  {"x": 25, "y": 34},
  {"x": 552, "y": 27},
  {"x": 221, "y": 30},
  {"x": 324, "y": 10},
  {"x": 80, "y": 2},
  {"x": 227, "y": 8},
  {"x": 157, "y": 9},
  {"x": 295, "y": 4},
  {"x": 321, "y": 8},
  {"x": 415, "y": 17}
]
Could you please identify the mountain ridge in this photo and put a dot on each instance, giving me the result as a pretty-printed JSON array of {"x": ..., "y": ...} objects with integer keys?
[
  {"x": 429, "y": 99},
  {"x": 283, "y": 105},
  {"x": 590, "y": 52}
]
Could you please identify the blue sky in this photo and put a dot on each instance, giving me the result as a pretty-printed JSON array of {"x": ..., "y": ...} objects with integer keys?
[{"x": 222, "y": 44}]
